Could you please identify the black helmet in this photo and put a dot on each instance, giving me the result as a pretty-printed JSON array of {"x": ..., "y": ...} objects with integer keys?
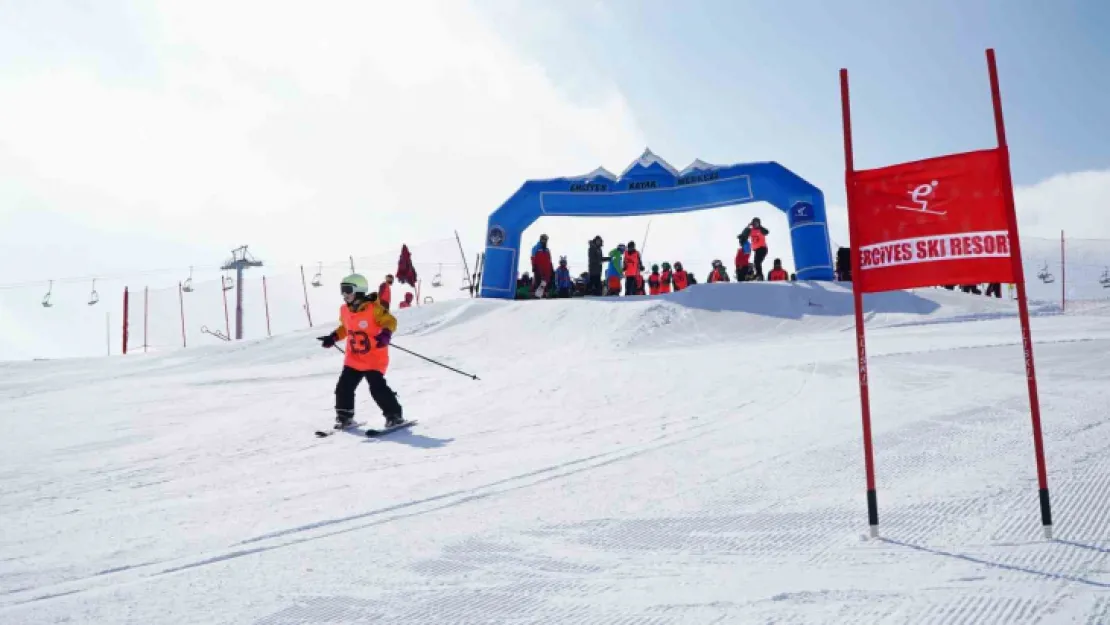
[
  {"x": 655, "y": 268},
  {"x": 631, "y": 245}
]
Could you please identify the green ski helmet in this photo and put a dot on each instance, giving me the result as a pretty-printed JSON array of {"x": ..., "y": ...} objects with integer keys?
[
  {"x": 666, "y": 266},
  {"x": 356, "y": 282}
]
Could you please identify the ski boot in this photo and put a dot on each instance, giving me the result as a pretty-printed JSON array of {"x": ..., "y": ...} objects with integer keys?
[
  {"x": 344, "y": 419},
  {"x": 393, "y": 420}
]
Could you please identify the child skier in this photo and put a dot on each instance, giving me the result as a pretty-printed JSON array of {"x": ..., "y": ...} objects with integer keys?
[
  {"x": 654, "y": 280},
  {"x": 367, "y": 327},
  {"x": 563, "y": 283}
]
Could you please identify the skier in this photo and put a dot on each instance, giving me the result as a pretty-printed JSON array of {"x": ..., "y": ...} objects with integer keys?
[
  {"x": 666, "y": 279},
  {"x": 778, "y": 274},
  {"x": 563, "y": 283},
  {"x": 633, "y": 265},
  {"x": 681, "y": 278},
  {"x": 718, "y": 274},
  {"x": 368, "y": 328},
  {"x": 653, "y": 280},
  {"x": 385, "y": 291},
  {"x": 758, "y": 238}
]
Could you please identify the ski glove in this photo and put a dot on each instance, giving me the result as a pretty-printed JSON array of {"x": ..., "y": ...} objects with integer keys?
[
  {"x": 327, "y": 342},
  {"x": 382, "y": 339}
]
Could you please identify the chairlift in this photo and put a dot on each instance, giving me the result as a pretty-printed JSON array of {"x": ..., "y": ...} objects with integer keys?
[
  {"x": 1105, "y": 279},
  {"x": 437, "y": 280},
  {"x": 228, "y": 283},
  {"x": 1045, "y": 276},
  {"x": 46, "y": 298},
  {"x": 428, "y": 299},
  {"x": 318, "y": 279},
  {"x": 94, "y": 297},
  {"x": 187, "y": 286}
]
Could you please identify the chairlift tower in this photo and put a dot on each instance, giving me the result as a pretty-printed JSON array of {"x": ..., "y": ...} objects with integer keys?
[{"x": 240, "y": 259}]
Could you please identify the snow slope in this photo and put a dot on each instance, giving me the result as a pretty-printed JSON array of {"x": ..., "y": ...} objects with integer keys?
[{"x": 689, "y": 459}]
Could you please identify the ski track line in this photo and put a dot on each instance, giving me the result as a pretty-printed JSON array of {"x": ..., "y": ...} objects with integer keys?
[{"x": 456, "y": 498}]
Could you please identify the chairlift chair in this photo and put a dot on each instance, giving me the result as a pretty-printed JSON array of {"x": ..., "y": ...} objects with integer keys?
[
  {"x": 318, "y": 279},
  {"x": 187, "y": 286},
  {"x": 228, "y": 283},
  {"x": 1105, "y": 279},
  {"x": 1045, "y": 276},
  {"x": 437, "y": 280},
  {"x": 94, "y": 297},
  {"x": 46, "y": 298}
]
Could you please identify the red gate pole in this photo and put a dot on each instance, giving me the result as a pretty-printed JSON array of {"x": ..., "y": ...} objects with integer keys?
[
  {"x": 181, "y": 298},
  {"x": 857, "y": 296},
  {"x": 1063, "y": 276},
  {"x": 306, "y": 308},
  {"x": 266, "y": 301},
  {"x": 146, "y": 316},
  {"x": 125, "y": 316},
  {"x": 1023, "y": 304}
]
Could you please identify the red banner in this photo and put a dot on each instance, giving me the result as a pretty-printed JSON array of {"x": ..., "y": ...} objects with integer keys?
[{"x": 933, "y": 222}]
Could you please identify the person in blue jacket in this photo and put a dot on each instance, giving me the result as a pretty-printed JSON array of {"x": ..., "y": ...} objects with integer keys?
[{"x": 563, "y": 283}]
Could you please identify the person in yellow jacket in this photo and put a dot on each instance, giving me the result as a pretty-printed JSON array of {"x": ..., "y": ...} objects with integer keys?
[{"x": 368, "y": 327}]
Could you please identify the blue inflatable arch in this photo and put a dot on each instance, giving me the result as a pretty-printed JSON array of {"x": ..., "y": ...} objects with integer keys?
[{"x": 650, "y": 186}]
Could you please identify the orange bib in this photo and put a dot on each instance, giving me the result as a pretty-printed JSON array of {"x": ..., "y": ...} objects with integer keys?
[
  {"x": 758, "y": 240},
  {"x": 362, "y": 352}
]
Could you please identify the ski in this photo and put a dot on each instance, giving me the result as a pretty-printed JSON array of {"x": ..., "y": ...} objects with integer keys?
[
  {"x": 372, "y": 433},
  {"x": 355, "y": 425}
]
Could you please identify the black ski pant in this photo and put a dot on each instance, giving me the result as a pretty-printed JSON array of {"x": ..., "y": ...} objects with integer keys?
[
  {"x": 995, "y": 289},
  {"x": 383, "y": 396},
  {"x": 594, "y": 287},
  {"x": 760, "y": 255},
  {"x": 631, "y": 286}
]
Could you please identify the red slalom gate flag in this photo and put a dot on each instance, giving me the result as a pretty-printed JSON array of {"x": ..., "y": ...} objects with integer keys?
[
  {"x": 406, "y": 273},
  {"x": 933, "y": 222}
]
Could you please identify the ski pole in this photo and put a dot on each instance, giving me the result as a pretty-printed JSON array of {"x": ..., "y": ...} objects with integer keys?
[{"x": 434, "y": 362}]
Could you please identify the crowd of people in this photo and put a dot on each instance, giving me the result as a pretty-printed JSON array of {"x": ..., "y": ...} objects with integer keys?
[{"x": 623, "y": 270}]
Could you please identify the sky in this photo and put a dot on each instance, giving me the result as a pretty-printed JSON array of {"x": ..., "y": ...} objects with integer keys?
[{"x": 141, "y": 136}]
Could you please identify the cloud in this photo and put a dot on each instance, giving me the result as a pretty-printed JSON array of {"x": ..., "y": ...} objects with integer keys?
[
  {"x": 1074, "y": 202},
  {"x": 309, "y": 133}
]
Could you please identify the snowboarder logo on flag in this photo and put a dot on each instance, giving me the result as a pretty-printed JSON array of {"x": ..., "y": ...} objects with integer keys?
[{"x": 919, "y": 196}]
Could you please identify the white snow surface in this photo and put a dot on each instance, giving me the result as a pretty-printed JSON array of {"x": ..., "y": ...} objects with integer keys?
[{"x": 694, "y": 458}]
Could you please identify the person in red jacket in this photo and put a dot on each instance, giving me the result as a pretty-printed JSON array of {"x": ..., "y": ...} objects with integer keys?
[
  {"x": 654, "y": 281},
  {"x": 385, "y": 291},
  {"x": 718, "y": 274},
  {"x": 743, "y": 253},
  {"x": 778, "y": 274},
  {"x": 681, "y": 278},
  {"x": 633, "y": 281},
  {"x": 666, "y": 279},
  {"x": 543, "y": 268},
  {"x": 757, "y": 234}
]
